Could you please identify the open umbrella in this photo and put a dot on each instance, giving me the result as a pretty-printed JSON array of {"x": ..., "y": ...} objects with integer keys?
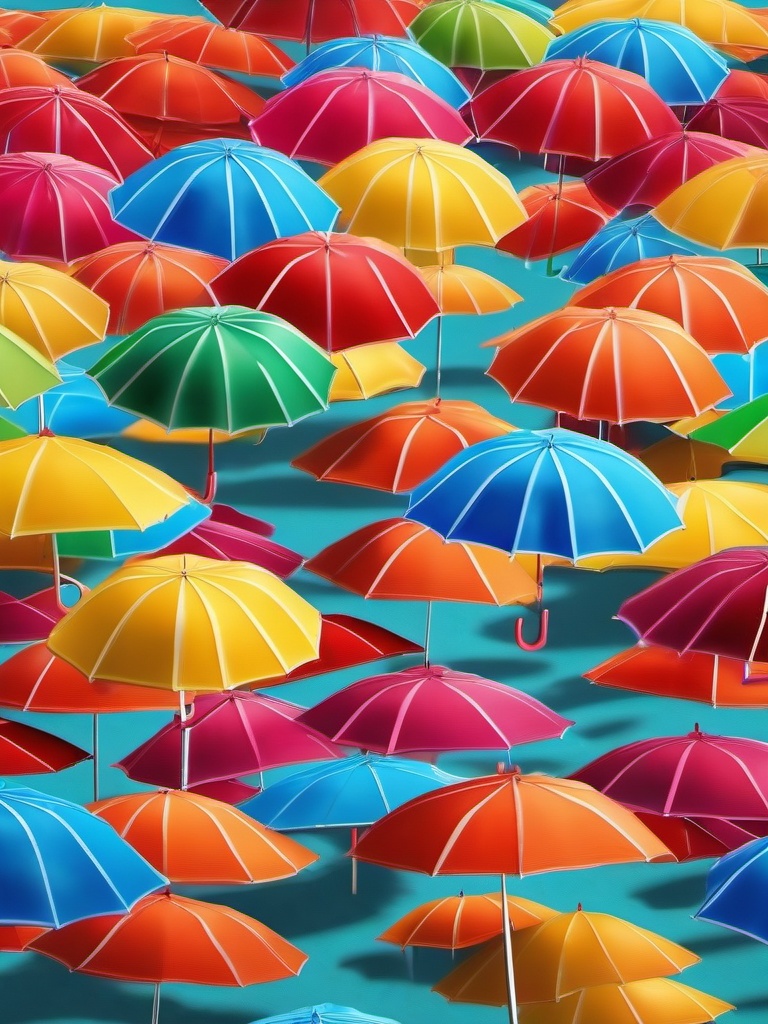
[
  {"x": 15, "y": 25},
  {"x": 25, "y": 750},
  {"x": 741, "y": 432},
  {"x": 366, "y": 371},
  {"x": 325, "y": 1013},
  {"x": 77, "y": 37},
  {"x": 25, "y": 373},
  {"x": 16, "y": 938},
  {"x": 25, "y": 620},
  {"x": 736, "y": 891},
  {"x": 676, "y": 458},
  {"x": 746, "y": 376},
  {"x": 315, "y": 21},
  {"x": 740, "y": 118},
  {"x": 19, "y": 68}
]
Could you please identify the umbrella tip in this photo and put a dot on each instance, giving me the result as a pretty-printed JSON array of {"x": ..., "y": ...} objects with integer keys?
[
  {"x": 507, "y": 769},
  {"x": 579, "y": 908}
]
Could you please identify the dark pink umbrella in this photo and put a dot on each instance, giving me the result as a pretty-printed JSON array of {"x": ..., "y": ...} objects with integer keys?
[
  {"x": 229, "y": 791},
  {"x": 25, "y": 620},
  {"x": 60, "y": 207},
  {"x": 699, "y": 775},
  {"x": 696, "y": 838},
  {"x": 334, "y": 113},
  {"x": 717, "y": 606},
  {"x": 742, "y": 118},
  {"x": 432, "y": 708},
  {"x": 229, "y": 734}
]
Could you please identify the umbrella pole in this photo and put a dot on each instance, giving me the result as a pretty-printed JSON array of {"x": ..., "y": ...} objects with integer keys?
[
  {"x": 95, "y": 745},
  {"x": 551, "y": 257},
  {"x": 439, "y": 356},
  {"x": 156, "y": 1005},
  {"x": 184, "y": 741},
  {"x": 427, "y": 631},
  {"x": 509, "y": 966},
  {"x": 759, "y": 257},
  {"x": 210, "y": 480},
  {"x": 57, "y": 572},
  {"x": 40, "y": 414},
  {"x": 353, "y": 836}
]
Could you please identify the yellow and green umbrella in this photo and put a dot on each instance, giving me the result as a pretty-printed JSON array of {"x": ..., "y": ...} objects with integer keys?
[
  {"x": 743, "y": 432},
  {"x": 24, "y": 373}
]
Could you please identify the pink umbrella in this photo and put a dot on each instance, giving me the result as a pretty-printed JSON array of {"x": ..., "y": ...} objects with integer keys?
[
  {"x": 230, "y": 734},
  {"x": 229, "y": 791},
  {"x": 698, "y": 775},
  {"x": 53, "y": 119},
  {"x": 334, "y": 113},
  {"x": 432, "y": 708},
  {"x": 742, "y": 118},
  {"x": 60, "y": 207},
  {"x": 24, "y": 620}
]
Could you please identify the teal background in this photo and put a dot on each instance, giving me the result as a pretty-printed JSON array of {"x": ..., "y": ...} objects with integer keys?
[{"x": 316, "y": 909}]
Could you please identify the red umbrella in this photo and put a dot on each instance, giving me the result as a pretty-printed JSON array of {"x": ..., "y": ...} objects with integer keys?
[
  {"x": 25, "y": 750},
  {"x": 60, "y": 207},
  {"x": 716, "y": 605},
  {"x": 303, "y": 122},
  {"x": 698, "y": 775},
  {"x": 648, "y": 173},
  {"x": 53, "y": 119},
  {"x": 339, "y": 290},
  {"x": 16, "y": 938},
  {"x": 229, "y": 791},
  {"x": 160, "y": 137},
  {"x": 432, "y": 708},
  {"x": 741, "y": 118},
  {"x": 696, "y": 838},
  {"x": 18, "y": 67},
  {"x": 316, "y": 21},
  {"x": 17, "y": 25},
  {"x": 26, "y": 619},
  {"x": 743, "y": 83}
]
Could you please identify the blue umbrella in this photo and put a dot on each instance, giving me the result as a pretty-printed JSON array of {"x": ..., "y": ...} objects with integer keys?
[
  {"x": 737, "y": 891},
  {"x": 60, "y": 863},
  {"x": 675, "y": 63},
  {"x": 221, "y": 196},
  {"x": 383, "y": 53},
  {"x": 325, "y": 1013},
  {"x": 746, "y": 375},
  {"x": 546, "y": 492},
  {"x": 622, "y": 242}
]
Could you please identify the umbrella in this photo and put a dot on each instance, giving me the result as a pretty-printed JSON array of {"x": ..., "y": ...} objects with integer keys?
[
  {"x": 200, "y": 41},
  {"x": 77, "y": 37},
  {"x": 61, "y": 204},
  {"x": 25, "y": 620},
  {"x": 697, "y": 775},
  {"x": 195, "y": 840},
  {"x": 382, "y": 53},
  {"x": 563, "y": 494},
  {"x": 141, "y": 280},
  {"x": 716, "y": 606},
  {"x": 25, "y": 373},
  {"x": 171, "y": 938},
  {"x": 648, "y": 173},
  {"x": 309, "y": 21},
  {"x": 743, "y": 83},
  {"x": 661, "y": 672},
  {"x": 433, "y": 708},
  {"x": 398, "y": 449},
  {"x": 62, "y": 864},
  {"x": 741, "y": 118},
  {"x": 478, "y": 34},
  {"x": 303, "y": 121},
  {"x": 676, "y": 63},
  {"x": 15, "y": 25},
  {"x": 736, "y": 888},
  {"x": 325, "y": 1013},
  {"x": 741, "y": 432},
  {"x": 744, "y": 375},
  {"x": 366, "y": 371},
  {"x": 339, "y": 290},
  {"x": 460, "y": 289},
  {"x": 677, "y": 458},
  {"x": 423, "y": 194},
  {"x": 160, "y": 137},
  {"x": 698, "y": 838},
  {"x": 187, "y": 196},
  {"x": 15, "y": 939},
  {"x": 25, "y": 750},
  {"x": 19, "y": 68}
]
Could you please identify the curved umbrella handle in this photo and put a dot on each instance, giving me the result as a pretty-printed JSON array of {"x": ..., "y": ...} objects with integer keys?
[{"x": 541, "y": 637}]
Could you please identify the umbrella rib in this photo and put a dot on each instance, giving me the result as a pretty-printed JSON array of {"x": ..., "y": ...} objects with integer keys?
[
  {"x": 119, "y": 626},
  {"x": 459, "y": 828},
  {"x": 38, "y": 857}
]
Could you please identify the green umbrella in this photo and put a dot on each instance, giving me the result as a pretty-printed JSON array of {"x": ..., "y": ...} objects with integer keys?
[
  {"x": 224, "y": 368},
  {"x": 9, "y": 431},
  {"x": 480, "y": 34},
  {"x": 24, "y": 373},
  {"x": 742, "y": 432}
]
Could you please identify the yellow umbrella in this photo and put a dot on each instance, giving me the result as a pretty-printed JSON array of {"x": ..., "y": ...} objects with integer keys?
[
  {"x": 460, "y": 289},
  {"x": 81, "y": 37},
  {"x": 423, "y": 194},
  {"x": 686, "y": 426},
  {"x": 677, "y": 458},
  {"x": 145, "y": 430},
  {"x": 49, "y": 309},
  {"x": 366, "y": 371}
]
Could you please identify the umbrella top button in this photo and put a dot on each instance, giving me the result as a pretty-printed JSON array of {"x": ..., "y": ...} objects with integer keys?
[{"x": 507, "y": 769}]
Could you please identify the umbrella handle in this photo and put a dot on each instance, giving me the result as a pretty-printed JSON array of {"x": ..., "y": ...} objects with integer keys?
[{"x": 541, "y": 636}]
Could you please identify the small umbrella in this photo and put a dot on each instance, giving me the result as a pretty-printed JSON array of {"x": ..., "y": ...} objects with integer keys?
[
  {"x": 743, "y": 83},
  {"x": 698, "y": 838},
  {"x": 254, "y": 194},
  {"x": 677, "y": 458},
  {"x": 740, "y": 118},
  {"x": 741, "y": 432},
  {"x": 366, "y": 371},
  {"x": 382, "y": 53},
  {"x": 671, "y": 58},
  {"x": 195, "y": 840},
  {"x": 303, "y": 121},
  {"x": 77, "y": 37},
  {"x": 465, "y": 290},
  {"x": 339, "y": 290},
  {"x": 171, "y": 938},
  {"x": 25, "y": 750},
  {"x": 19, "y": 68},
  {"x": 325, "y": 1013},
  {"x": 736, "y": 888},
  {"x": 25, "y": 373},
  {"x": 25, "y": 620},
  {"x": 141, "y": 280}
]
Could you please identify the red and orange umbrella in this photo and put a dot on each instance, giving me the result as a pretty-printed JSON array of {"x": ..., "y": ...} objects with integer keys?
[
  {"x": 741, "y": 83},
  {"x": 160, "y": 137},
  {"x": 465, "y": 290},
  {"x": 16, "y": 938},
  {"x": 18, "y": 68},
  {"x": 17, "y": 25},
  {"x": 25, "y": 750}
]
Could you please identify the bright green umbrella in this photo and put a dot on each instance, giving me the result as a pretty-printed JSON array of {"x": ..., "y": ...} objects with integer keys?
[
  {"x": 9, "y": 431},
  {"x": 480, "y": 34},
  {"x": 742, "y": 432},
  {"x": 24, "y": 373},
  {"x": 223, "y": 368}
]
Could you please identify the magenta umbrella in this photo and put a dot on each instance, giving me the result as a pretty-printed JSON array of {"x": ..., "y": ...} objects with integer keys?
[
  {"x": 230, "y": 734},
  {"x": 25, "y": 620},
  {"x": 432, "y": 708},
  {"x": 743, "y": 118},
  {"x": 334, "y": 113},
  {"x": 717, "y": 606},
  {"x": 699, "y": 775}
]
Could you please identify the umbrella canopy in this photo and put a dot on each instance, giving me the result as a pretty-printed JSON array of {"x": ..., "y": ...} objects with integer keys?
[
  {"x": 697, "y": 838},
  {"x": 741, "y": 432},
  {"x": 677, "y": 458},
  {"x": 455, "y": 922},
  {"x": 715, "y": 606},
  {"x": 187, "y": 196},
  {"x": 234, "y": 623},
  {"x": 309, "y": 21},
  {"x": 398, "y": 449},
  {"x": 15, "y": 25},
  {"x": 15, "y": 939},
  {"x": 338, "y": 289},
  {"x": 62, "y": 207},
  {"x": 195, "y": 840},
  {"x": 25, "y": 750},
  {"x": 743, "y": 83},
  {"x": 141, "y": 280},
  {"x": 62, "y": 864},
  {"x": 25, "y": 372},
  {"x": 200, "y": 41},
  {"x": 19, "y": 68},
  {"x": 746, "y": 376},
  {"x": 303, "y": 122},
  {"x": 677, "y": 65},
  {"x": 160, "y": 137},
  {"x": 736, "y": 887},
  {"x": 577, "y": 107},
  {"x": 366, "y": 371},
  {"x": 459, "y": 289},
  {"x": 478, "y": 34},
  {"x": 734, "y": 117},
  {"x": 74, "y": 37},
  {"x": 30, "y": 618},
  {"x": 433, "y": 708},
  {"x": 423, "y": 194},
  {"x": 647, "y": 174},
  {"x": 382, "y": 53},
  {"x": 560, "y": 217},
  {"x": 325, "y": 1013}
]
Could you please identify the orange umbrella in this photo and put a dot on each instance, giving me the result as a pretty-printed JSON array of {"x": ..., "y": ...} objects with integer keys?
[
  {"x": 459, "y": 289},
  {"x": 678, "y": 458},
  {"x": 20, "y": 68},
  {"x": 141, "y": 280},
  {"x": 160, "y": 137},
  {"x": 16, "y": 938},
  {"x": 192, "y": 839},
  {"x": 716, "y": 300},
  {"x": 613, "y": 364},
  {"x": 398, "y": 449},
  {"x": 16, "y": 25}
]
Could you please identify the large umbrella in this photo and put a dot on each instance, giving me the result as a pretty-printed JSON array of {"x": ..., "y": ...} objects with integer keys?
[
  {"x": 83, "y": 37},
  {"x": 736, "y": 891},
  {"x": 741, "y": 432}
]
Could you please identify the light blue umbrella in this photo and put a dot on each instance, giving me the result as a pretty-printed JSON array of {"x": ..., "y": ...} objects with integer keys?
[
  {"x": 745, "y": 374},
  {"x": 325, "y": 1013},
  {"x": 221, "y": 196},
  {"x": 546, "y": 492},
  {"x": 383, "y": 53},
  {"x": 676, "y": 64},
  {"x": 737, "y": 891},
  {"x": 59, "y": 863},
  {"x": 622, "y": 242}
]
